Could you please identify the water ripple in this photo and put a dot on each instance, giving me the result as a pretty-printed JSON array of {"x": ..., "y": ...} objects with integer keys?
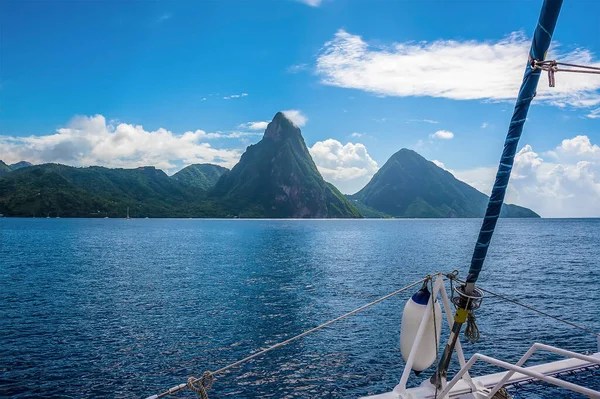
[{"x": 123, "y": 309}]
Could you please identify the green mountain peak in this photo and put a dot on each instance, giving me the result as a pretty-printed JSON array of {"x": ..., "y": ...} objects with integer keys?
[
  {"x": 277, "y": 177},
  {"x": 203, "y": 176},
  {"x": 410, "y": 186},
  {"x": 281, "y": 128}
]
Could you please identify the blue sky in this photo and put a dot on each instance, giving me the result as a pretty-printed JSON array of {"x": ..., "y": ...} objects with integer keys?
[{"x": 358, "y": 72}]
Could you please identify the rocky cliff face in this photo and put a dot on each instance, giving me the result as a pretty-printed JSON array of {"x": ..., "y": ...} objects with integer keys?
[{"x": 277, "y": 177}]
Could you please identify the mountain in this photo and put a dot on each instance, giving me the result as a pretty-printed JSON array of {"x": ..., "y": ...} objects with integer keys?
[
  {"x": 203, "y": 176},
  {"x": 19, "y": 165},
  {"x": 4, "y": 168},
  {"x": 410, "y": 186},
  {"x": 277, "y": 177},
  {"x": 53, "y": 189}
]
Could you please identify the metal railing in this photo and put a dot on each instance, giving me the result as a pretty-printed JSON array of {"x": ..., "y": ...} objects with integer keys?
[{"x": 518, "y": 367}]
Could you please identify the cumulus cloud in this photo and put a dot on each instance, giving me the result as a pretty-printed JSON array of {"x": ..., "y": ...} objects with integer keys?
[
  {"x": 442, "y": 135},
  {"x": 349, "y": 167},
  {"x": 262, "y": 125},
  {"x": 580, "y": 147},
  {"x": 356, "y": 135},
  {"x": 296, "y": 116},
  {"x": 459, "y": 70},
  {"x": 90, "y": 140},
  {"x": 563, "y": 183},
  {"x": 484, "y": 125},
  {"x": 235, "y": 96},
  {"x": 312, "y": 3}
]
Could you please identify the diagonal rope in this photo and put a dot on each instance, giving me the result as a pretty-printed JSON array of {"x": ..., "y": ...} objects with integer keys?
[
  {"x": 202, "y": 384},
  {"x": 541, "y": 312},
  {"x": 532, "y": 309}
]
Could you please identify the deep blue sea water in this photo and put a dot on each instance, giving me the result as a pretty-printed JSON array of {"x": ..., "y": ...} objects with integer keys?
[{"x": 124, "y": 309}]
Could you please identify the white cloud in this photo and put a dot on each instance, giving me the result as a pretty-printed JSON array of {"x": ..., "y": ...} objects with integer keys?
[
  {"x": 567, "y": 185},
  {"x": 296, "y": 116},
  {"x": 312, "y": 3},
  {"x": 482, "y": 178},
  {"x": 349, "y": 167},
  {"x": 90, "y": 140},
  {"x": 237, "y": 135},
  {"x": 297, "y": 68},
  {"x": 440, "y": 164},
  {"x": 460, "y": 70},
  {"x": 419, "y": 145},
  {"x": 580, "y": 147},
  {"x": 484, "y": 125},
  {"x": 164, "y": 17},
  {"x": 422, "y": 120},
  {"x": 357, "y": 135},
  {"x": 235, "y": 96},
  {"x": 442, "y": 135},
  {"x": 594, "y": 114},
  {"x": 262, "y": 125}
]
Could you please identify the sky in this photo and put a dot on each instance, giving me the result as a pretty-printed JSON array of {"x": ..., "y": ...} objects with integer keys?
[{"x": 168, "y": 84}]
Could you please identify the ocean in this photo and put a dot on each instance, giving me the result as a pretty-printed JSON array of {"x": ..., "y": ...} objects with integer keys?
[{"x": 106, "y": 308}]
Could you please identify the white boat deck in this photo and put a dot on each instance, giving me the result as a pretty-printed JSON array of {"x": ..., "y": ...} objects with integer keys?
[{"x": 462, "y": 389}]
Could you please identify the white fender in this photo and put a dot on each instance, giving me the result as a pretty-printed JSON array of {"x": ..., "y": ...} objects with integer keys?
[{"x": 414, "y": 311}]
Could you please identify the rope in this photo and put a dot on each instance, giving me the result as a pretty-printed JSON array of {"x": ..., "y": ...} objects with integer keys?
[
  {"x": 552, "y": 66},
  {"x": 207, "y": 378},
  {"x": 472, "y": 331},
  {"x": 437, "y": 345},
  {"x": 200, "y": 386},
  {"x": 547, "y": 65},
  {"x": 451, "y": 277},
  {"x": 502, "y": 393},
  {"x": 542, "y": 313}
]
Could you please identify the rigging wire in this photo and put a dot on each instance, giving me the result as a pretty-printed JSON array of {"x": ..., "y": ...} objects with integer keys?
[
  {"x": 545, "y": 65},
  {"x": 532, "y": 309},
  {"x": 204, "y": 383},
  {"x": 553, "y": 66}
]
